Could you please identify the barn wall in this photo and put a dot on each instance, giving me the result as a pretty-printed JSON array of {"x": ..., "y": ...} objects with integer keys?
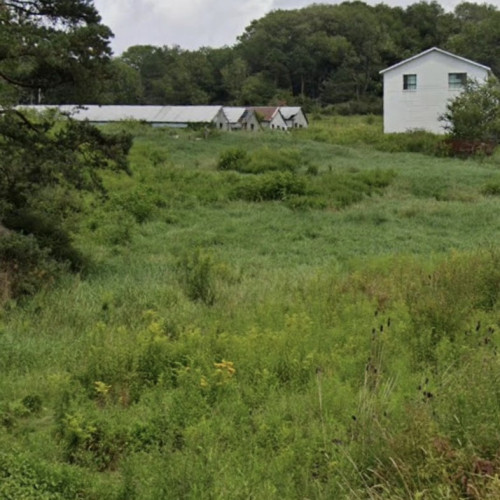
[{"x": 420, "y": 109}]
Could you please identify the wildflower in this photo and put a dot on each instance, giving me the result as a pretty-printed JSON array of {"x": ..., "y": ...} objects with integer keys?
[{"x": 225, "y": 367}]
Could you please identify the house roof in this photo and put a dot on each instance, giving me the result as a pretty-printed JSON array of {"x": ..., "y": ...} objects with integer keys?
[
  {"x": 187, "y": 114},
  {"x": 289, "y": 112},
  {"x": 428, "y": 51},
  {"x": 150, "y": 114},
  {"x": 234, "y": 113},
  {"x": 112, "y": 113},
  {"x": 266, "y": 112}
]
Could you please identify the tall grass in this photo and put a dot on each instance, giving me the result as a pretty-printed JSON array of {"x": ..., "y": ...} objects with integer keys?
[{"x": 339, "y": 342}]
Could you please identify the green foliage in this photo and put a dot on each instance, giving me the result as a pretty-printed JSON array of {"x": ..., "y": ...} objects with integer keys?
[
  {"x": 45, "y": 164},
  {"x": 233, "y": 159},
  {"x": 492, "y": 188},
  {"x": 197, "y": 276},
  {"x": 261, "y": 160},
  {"x": 474, "y": 115},
  {"x": 24, "y": 476},
  {"x": 314, "y": 56},
  {"x": 24, "y": 266},
  {"x": 272, "y": 186},
  {"x": 70, "y": 50},
  {"x": 266, "y": 160},
  {"x": 354, "y": 342}
]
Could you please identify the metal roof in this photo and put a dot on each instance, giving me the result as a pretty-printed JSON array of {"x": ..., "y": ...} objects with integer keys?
[
  {"x": 289, "y": 112},
  {"x": 434, "y": 49},
  {"x": 95, "y": 113},
  {"x": 150, "y": 114},
  {"x": 187, "y": 114},
  {"x": 165, "y": 114},
  {"x": 234, "y": 114},
  {"x": 266, "y": 112}
]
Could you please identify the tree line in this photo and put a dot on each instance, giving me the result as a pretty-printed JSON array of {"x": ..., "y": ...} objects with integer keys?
[{"x": 318, "y": 55}]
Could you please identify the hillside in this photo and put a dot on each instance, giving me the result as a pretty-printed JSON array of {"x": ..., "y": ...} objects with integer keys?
[{"x": 311, "y": 314}]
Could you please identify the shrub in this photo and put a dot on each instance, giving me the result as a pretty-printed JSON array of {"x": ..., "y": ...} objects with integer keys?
[
  {"x": 49, "y": 235},
  {"x": 233, "y": 159},
  {"x": 24, "y": 266},
  {"x": 198, "y": 277},
  {"x": 473, "y": 117},
  {"x": 492, "y": 188},
  {"x": 272, "y": 186},
  {"x": 140, "y": 203},
  {"x": 265, "y": 160}
]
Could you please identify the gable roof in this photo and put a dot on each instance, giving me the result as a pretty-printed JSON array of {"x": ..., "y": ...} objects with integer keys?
[
  {"x": 187, "y": 114},
  {"x": 150, "y": 114},
  {"x": 266, "y": 112},
  {"x": 428, "y": 51},
  {"x": 289, "y": 112},
  {"x": 234, "y": 113}
]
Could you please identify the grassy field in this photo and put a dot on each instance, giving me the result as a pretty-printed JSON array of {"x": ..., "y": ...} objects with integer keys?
[{"x": 300, "y": 315}]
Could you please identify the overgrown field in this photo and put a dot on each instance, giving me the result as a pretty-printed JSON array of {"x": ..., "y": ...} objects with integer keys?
[{"x": 271, "y": 316}]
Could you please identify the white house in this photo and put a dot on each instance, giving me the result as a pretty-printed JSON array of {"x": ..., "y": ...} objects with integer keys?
[
  {"x": 417, "y": 89},
  {"x": 294, "y": 117}
]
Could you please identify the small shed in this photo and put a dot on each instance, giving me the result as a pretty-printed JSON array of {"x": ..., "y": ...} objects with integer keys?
[
  {"x": 294, "y": 116},
  {"x": 270, "y": 117},
  {"x": 417, "y": 90},
  {"x": 240, "y": 118}
]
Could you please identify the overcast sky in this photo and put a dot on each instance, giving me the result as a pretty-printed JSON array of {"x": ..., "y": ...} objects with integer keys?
[{"x": 192, "y": 24}]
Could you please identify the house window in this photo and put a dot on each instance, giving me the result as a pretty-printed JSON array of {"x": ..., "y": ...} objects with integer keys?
[
  {"x": 409, "y": 82},
  {"x": 456, "y": 80}
]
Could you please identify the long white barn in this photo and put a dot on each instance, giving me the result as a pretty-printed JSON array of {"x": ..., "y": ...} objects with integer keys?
[
  {"x": 222, "y": 118},
  {"x": 417, "y": 90}
]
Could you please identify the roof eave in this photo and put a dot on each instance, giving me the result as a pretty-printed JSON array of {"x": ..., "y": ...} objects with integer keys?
[{"x": 432, "y": 49}]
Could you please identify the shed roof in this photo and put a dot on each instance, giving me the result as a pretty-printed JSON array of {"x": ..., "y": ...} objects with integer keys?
[
  {"x": 428, "y": 51},
  {"x": 234, "y": 113},
  {"x": 289, "y": 112},
  {"x": 187, "y": 114},
  {"x": 266, "y": 112},
  {"x": 113, "y": 113},
  {"x": 150, "y": 114}
]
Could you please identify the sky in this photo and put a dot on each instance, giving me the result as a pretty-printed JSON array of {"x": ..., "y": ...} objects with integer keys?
[{"x": 192, "y": 24}]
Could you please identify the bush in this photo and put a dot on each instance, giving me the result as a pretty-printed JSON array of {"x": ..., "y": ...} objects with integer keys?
[
  {"x": 265, "y": 160},
  {"x": 233, "y": 159},
  {"x": 473, "y": 117},
  {"x": 492, "y": 188},
  {"x": 24, "y": 266},
  {"x": 272, "y": 186},
  {"x": 140, "y": 203},
  {"x": 198, "y": 277},
  {"x": 49, "y": 235}
]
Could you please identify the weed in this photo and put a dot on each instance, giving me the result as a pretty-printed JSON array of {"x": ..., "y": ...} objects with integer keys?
[{"x": 196, "y": 273}]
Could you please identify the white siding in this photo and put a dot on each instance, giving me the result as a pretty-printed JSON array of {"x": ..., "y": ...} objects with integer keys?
[
  {"x": 277, "y": 122},
  {"x": 420, "y": 108},
  {"x": 294, "y": 116}
]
